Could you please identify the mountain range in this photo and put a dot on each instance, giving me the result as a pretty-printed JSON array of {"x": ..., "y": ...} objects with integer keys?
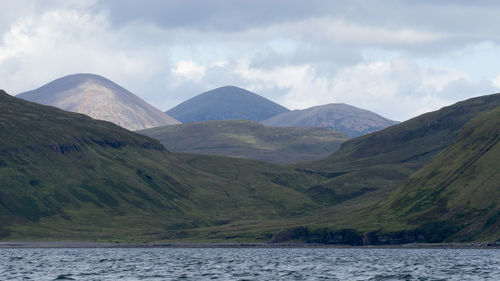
[
  {"x": 101, "y": 99},
  {"x": 348, "y": 119},
  {"x": 249, "y": 139},
  {"x": 432, "y": 178}
]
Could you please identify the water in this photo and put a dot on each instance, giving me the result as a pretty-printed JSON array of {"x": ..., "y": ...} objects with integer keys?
[{"x": 249, "y": 264}]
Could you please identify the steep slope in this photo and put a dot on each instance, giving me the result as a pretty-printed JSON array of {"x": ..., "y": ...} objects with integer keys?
[
  {"x": 460, "y": 186},
  {"x": 344, "y": 118},
  {"x": 225, "y": 103},
  {"x": 248, "y": 139},
  {"x": 378, "y": 197},
  {"x": 376, "y": 163},
  {"x": 99, "y": 98},
  {"x": 67, "y": 176}
]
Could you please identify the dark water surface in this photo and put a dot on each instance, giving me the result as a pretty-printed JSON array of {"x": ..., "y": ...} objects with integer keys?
[{"x": 249, "y": 264}]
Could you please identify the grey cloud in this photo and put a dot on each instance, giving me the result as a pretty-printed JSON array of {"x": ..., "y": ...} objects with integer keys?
[{"x": 226, "y": 15}]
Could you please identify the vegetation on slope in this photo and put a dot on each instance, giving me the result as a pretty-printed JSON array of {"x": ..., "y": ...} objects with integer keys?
[
  {"x": 454, "y": 197},
  {"x": 460, "y": 186},
  {"x": 67, "y": 176},
  {"x": 248, "y": 139},
  {"x": 384, "y": 160}
]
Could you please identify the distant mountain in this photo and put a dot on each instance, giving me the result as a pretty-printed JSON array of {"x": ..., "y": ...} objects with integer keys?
[
  {"x": 101, "y": 99},
  {"x": 225, "y": 103},
  {"x": 344, "y": 118},
  {"x": 249, "y": 139}
]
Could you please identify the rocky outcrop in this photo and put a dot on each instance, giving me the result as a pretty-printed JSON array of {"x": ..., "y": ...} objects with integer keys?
[{"x": 426, "y": 233}]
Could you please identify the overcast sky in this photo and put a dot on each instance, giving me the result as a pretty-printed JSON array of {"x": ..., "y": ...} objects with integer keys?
[{"x": 396, "y": 58}]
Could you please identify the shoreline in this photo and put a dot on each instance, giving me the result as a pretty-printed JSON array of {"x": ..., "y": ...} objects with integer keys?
[{"x": 61, "y": 244}]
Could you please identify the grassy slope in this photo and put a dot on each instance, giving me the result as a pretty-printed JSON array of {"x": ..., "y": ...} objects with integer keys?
[
  {"x": 460, "y": 186},
  {"x": 142, "y": 192},
  {"x": 248, "y": 139},
  {"x": 66, "y": 176},
  {"x": 373, "y": 165}
]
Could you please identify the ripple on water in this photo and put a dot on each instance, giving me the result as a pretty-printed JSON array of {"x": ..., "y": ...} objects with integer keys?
[{"x": 249, "y": 264}]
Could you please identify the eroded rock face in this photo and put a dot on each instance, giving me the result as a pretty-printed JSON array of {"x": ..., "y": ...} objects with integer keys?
[{"x": 101, "y": 99}]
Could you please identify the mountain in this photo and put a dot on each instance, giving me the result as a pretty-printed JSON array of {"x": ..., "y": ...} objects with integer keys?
[
  {"x": 99, "y": 98},
  {"x": 66, "y": 176},
  {"x": 460, "y": 187},
  {"x": 344, "y": 118},
  {"x": 249, "y": 139},
  {"x": 384, "y": 160},
  {"x": 225, "y": 103},
  {"x": 378, "y": 197}
]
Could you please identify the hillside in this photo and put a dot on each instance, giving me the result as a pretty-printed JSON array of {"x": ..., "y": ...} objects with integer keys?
[
  {"x": 226, "y": 103},
  {"x": 368, "y": 168},
  {"x": 344, "y": 118},
  {"x": 101, "y": 99},
  {"x": 248, "y": 139},
  {"x": 460, "y": 186},
  {"x": 66, "y": 176}
]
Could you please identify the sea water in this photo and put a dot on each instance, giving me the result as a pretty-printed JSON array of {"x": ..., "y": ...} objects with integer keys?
[{"x": 248, "y": 264}]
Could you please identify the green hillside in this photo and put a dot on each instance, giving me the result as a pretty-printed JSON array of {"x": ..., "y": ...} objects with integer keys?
[
  {"x": 460, "y": 186},
  {"x": 384, "y": 160},
  {"x": 248, "y": 139},
  {"x": 418, "y": 193},
  {"x": 66, "y": 176}
]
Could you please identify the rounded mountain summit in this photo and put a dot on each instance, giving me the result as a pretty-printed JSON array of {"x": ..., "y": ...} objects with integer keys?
[
  {"x": 101, "y": 99},
  {"x": 224, "y": 103}
]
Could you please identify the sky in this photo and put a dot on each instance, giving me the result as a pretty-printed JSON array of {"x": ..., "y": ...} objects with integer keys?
[{"x": 396, "y": 58}]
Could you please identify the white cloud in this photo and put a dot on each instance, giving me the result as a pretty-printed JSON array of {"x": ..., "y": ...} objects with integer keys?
[
  {"x": 189, "y": 70},
  {"x": 344, "y": 32},
  {"x": 399, "y": 89},
  {"x": 496, "y": 82},
  {"x": 298, "y": 61}
]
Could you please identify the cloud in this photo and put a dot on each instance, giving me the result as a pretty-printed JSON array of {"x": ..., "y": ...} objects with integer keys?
[
  {"x": 189, "y": 70},
  {"x": 38, "y": 49},
  {"x": 398, "y": 89},
  {"x": 496, "y": 82},
  {"x": 397, "y": 58}
]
